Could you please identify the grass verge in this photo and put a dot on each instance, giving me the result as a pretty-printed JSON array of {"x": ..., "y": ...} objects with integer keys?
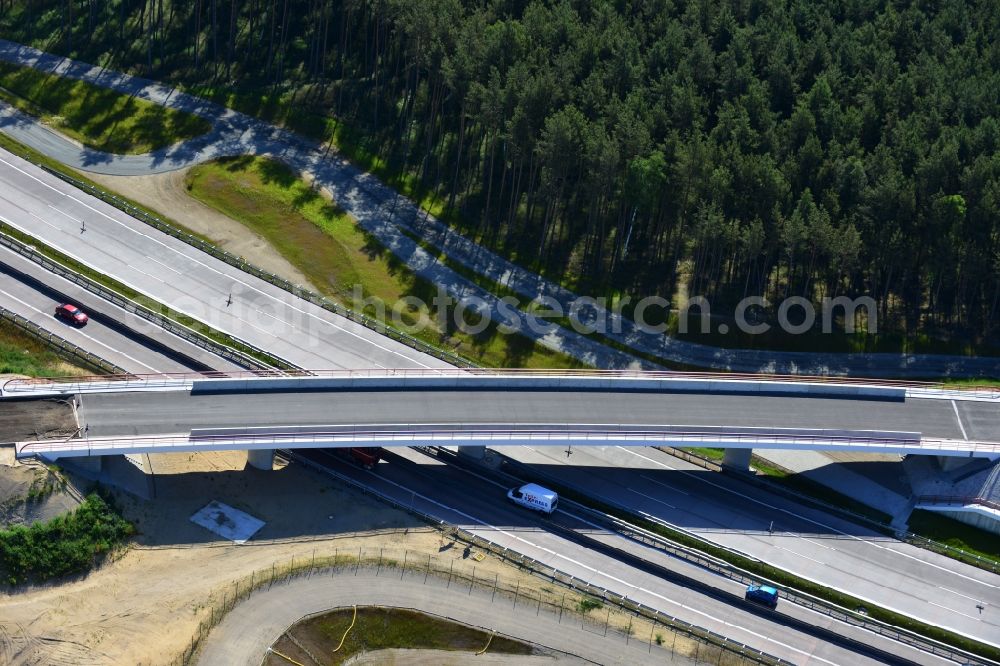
[
  {"x": 954, "y": 533},
  {"x": 65, "y": 545},
  {"x": 345, "y": 263},
  {"x": 23, "y": 354},
  {"x": 97, "y": 117},
  {"x": 379, "y": 628}
]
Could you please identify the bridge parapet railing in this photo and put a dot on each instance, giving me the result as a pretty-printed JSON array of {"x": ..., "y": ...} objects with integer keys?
[
  {"x": 923, "y": 501},
  {"x": 481, "y": 435},
  {"x": 705, "y": 379}
]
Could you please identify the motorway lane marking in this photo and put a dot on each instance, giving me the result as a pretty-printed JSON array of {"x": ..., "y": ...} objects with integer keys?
[
  {"x": 821, "y": 545},
  {"x": 598, "y": 572},
  {"x": 787, "y": 550},
  {"x": 952, "y": 610},
  {"x": 191, "y": 258},
  {"x": 62, "y": 212},
  {"x": 959, "y": 419},
  {"x": 816, "y": 522},
  {"x": 632, "y": 490},
  {"x": 91, "y": 338},
  {"x": 941, "y": 587},
  {"x": 167, "y": 266},
  {"x": 665, "y": 485},
  {"x": 44, "y": 221}
]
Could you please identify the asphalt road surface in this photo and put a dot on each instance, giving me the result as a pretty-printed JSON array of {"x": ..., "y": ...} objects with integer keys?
[
  {"x": 802, "y": 540},
  {"x": 128, "y": 341},
  {"x": 253, "y": 625},
  {"x": 189, "y": 281},
  {"x": 179, "y": 412}
]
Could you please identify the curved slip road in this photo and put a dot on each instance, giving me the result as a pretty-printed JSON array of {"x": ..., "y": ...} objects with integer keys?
[
  {"x": 252, "y": 626},
  {"x": 382, "y": 212}
]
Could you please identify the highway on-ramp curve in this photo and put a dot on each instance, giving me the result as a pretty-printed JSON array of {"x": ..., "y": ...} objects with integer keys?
[{"x": 188, "y": 280}]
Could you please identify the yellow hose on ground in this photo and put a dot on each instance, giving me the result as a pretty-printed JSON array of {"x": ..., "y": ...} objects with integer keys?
[
  {"x": 284, "y": 656},
  {"x": 344, "y": 637},
  {"x": 488, "y": 641}
]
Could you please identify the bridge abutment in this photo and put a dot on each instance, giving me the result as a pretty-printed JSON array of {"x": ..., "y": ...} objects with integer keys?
[
  {"x": 261, "y": 459},
  {"x": 737, "y": 460}
]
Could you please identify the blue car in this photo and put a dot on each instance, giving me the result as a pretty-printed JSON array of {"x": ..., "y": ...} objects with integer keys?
[{"x": 762, "y": 594}]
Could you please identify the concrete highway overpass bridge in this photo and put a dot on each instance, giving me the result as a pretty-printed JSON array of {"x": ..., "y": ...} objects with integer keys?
[{"x": 474, "y": 409}]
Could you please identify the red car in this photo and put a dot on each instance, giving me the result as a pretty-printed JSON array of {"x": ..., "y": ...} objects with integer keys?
[{"x": 72, "y": 314}]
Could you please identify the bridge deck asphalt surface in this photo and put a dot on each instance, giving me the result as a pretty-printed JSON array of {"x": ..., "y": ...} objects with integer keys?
[
  {"x": 189, "y": 281},
  {"x": 179, "y": 412},
  {"x": 125, "y": 339}
]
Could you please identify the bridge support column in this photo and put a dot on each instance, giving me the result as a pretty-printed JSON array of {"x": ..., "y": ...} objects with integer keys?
[
  {"x": 474, "y": 452},
  {"x": 737, "y": 460},
  {"x": 90, "y": 464},
  {"x": 261, "y": 459},
  {"x": 950, "y": 463}
]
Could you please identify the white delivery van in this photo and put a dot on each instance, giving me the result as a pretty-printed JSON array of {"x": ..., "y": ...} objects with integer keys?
[{"x": 535, "y": 497}]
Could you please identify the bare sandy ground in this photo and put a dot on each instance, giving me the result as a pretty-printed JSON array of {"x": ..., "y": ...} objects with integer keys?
[{"x": 166, "y": 194}]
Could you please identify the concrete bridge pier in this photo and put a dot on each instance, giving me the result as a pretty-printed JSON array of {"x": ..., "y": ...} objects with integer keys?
[
  {"x": 474, "y": 452},
  {"x": 90, "y": 464},
  {"x": 261, "y": 459},
  {"x": 737, "y": 460},
  {"x": 950, "y": 463}
]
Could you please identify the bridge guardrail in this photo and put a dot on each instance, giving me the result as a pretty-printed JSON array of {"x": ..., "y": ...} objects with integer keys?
[
  {"x": 132, "y": 307},
  {"x": 554, "y": 574},
  {"x": 732, "y": 572},
  {"x": 462, "y": 434},
  {"x": 702, "y": 377},
  {"x": 280, "y": 282},
  {"x": 65, "y": 346},
  {"x": 957, "y": 500}
]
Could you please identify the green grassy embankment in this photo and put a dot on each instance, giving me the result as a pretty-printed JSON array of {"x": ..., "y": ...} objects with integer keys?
[
  {"x": 955, "y": 534},
  {"x": 23, "y": 354},
  {"x": 97, "y": 117},
  {"x": 337, "y": 256},
  {"x": 384, "y": 628}
]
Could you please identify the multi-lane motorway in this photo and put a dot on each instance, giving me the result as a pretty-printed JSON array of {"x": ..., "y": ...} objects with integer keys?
[
  {"x": 193, "y": 283},
  {"x": 129, "y": 341},
  {"x": 478, "y": 505},
  {"x": 800, "y": 539}
]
